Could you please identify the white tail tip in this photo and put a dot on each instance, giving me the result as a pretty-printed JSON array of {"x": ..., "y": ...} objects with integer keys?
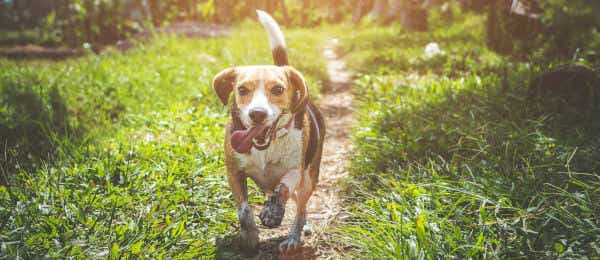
[{"x": 275, "y": 35}]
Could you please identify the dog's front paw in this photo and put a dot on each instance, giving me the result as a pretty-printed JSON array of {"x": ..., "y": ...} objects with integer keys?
[
  {"x": 248, "y": 232},
  {"x": 272, "y": 213},
  {"x": 292, "y": 243}
]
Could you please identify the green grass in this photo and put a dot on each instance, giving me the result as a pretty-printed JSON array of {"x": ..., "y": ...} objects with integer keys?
[
  {"x": 120, "y": 154},
  {"x": 454, "y": 160}
]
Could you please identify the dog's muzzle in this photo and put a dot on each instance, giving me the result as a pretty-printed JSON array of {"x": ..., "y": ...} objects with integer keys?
[{"x": 260, "y": 137}]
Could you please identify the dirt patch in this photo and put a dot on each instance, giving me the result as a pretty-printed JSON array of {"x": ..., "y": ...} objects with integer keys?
[
  {"x": 39, "y": 52},
  {"x": 325, "y": 207}
]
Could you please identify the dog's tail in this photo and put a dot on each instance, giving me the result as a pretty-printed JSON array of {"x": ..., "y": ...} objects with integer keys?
[{"x": 275, "y": 38}]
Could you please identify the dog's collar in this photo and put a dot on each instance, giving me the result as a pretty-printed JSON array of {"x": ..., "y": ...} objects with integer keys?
[{"x": 288, "y": 124}]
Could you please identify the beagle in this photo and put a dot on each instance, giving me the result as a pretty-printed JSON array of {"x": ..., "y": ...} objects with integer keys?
[{"x": 274, "y": 136}]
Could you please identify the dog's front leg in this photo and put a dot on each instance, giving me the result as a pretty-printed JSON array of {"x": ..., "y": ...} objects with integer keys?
[
  {"x": 274, "y": 210},
  {"x": 248, "y": 230},
  {"x": 294, "y": 240}
]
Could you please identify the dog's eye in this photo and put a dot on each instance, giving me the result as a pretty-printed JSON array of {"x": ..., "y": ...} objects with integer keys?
[
  {"x": 243, "y": 90},
  {"x": 277, "y": 90}
]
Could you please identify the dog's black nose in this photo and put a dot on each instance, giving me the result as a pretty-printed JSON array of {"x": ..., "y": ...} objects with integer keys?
[{"x": 258, "y": 115}]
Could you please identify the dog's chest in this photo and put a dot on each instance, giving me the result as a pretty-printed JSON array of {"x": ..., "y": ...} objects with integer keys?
[{"x": 266, "y": 167}]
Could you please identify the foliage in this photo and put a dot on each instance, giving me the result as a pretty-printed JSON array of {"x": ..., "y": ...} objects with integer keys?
[
  {"x": 572, "y": 27},
  {"x": 563, "y": 27},
  {"x": 74, "y": 22},
  {"x": 94, "y": 21},
  {"x": 551, "y": 28},
  {"x": 453, "y": 159},
  {"x": 144, "y": 176}
]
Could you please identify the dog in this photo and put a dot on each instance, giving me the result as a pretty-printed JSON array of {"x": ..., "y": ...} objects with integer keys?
[{"x": 274, "y": 136}]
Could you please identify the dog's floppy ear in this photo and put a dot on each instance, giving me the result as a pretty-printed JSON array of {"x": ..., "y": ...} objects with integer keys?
[
  {"x": 223, "y": 83},
  {"x": 300, "y": 89}
]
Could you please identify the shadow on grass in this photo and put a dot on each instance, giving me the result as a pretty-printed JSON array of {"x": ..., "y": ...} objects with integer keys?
[
  {"x": 228, "y": 248},
  {"x": 539, "y": 156},
  {"x": 31, "y": 125}
]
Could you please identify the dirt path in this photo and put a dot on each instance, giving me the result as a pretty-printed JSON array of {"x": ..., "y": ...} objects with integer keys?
[
  {"x": 325, "y": 204},
  {"x": 336, "y": 105}
]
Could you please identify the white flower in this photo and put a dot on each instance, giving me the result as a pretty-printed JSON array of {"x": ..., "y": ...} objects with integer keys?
[{"x": 432, "y": 49}]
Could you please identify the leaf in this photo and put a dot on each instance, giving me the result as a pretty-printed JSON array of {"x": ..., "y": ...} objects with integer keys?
[
  {"x": 559, "y": 248},
  {"x": 135, "y": 248},
  {"x": 114, "y": 251},
  {"x": 421, "y": 222},
  {"x": 208, "y": 8}
]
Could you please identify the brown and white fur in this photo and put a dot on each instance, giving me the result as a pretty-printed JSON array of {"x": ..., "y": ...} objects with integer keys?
[{"x": 289, "y": 166}]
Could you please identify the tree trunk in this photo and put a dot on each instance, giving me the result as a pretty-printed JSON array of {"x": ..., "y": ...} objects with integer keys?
[
  {"x": 379, "y": 8},
  {"x": 306, "y": 4},
  {"x": 284, "y": 12},
  {"x": 414, "y": 17},
  {"x": 271, "y": 5},
  {"x": 334, "y": 10},
  {"x": 223, "y": 11},
  {"x": 250, "y": 8},
  {"x": 358, "y": 11}
]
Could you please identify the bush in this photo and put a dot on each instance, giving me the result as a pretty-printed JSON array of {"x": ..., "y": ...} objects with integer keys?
[{"x": 559, "y": 28}]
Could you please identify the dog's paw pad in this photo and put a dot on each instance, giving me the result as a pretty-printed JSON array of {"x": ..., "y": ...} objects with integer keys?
[
  {"x": 272, "y": 213},
  {"x": 290, "y": 244}
]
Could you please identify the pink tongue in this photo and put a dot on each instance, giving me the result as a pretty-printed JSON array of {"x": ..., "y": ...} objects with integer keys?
[{"x": 241, "y": 140}]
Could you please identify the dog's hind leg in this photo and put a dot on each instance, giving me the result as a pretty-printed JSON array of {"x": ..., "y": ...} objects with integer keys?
[{"x": 274, "y": 210}]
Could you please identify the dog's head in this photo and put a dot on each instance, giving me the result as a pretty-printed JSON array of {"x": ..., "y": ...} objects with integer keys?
[{"x": 262, "y": 93}]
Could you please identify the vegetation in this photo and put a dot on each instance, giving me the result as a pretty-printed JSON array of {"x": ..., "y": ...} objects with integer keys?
[
  {"x": 454, "y": 158},
  {"x": 566, "y": 29},
  {"x": 100, "y": 23},
  {"x": 125, "y": 157},
  {"x": 465, "y": 152}
]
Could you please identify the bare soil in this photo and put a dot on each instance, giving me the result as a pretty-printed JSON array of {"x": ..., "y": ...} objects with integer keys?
[{"x": 31, "y": 51}]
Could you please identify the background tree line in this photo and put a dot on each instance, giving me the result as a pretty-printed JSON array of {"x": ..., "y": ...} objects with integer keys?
[{"x": 564, "y": 27}]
